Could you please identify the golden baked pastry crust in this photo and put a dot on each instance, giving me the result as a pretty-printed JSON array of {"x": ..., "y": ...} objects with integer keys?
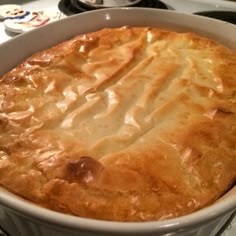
[{"x": 126, "y": 124}]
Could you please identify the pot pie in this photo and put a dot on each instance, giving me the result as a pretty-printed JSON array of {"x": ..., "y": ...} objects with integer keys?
[{"x": 124, "y": 124}]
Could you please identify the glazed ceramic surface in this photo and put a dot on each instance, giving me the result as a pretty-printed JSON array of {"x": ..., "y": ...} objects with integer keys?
[{"x": 21, "y": 218}]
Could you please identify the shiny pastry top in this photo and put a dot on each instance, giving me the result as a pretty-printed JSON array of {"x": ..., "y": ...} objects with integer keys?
[{"x": 124, "y": 124}]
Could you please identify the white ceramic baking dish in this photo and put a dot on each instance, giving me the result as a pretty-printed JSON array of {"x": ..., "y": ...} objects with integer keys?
[{"x": 21, "y": 218}]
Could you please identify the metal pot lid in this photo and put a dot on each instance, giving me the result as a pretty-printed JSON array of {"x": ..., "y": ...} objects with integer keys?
[{"x": 108, "y": 3}]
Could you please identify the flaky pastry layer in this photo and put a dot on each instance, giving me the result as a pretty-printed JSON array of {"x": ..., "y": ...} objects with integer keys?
[{"x": 125, "y": 124}]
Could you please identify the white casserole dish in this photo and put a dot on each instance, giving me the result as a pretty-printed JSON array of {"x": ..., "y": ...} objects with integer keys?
[{"x": 21, "y": 218}]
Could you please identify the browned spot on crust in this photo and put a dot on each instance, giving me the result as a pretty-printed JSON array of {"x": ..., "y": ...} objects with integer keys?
[{"x": 85, "y": 170}]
